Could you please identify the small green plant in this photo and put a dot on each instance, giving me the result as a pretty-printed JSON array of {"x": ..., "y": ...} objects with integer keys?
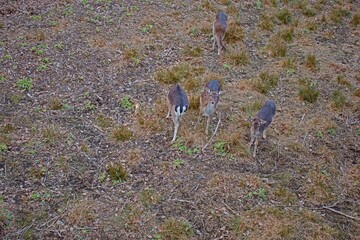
[
  {"x": 3, "y": 147},
  {"x": 258, "y": 4},
  {"x": 36, "y": 17},
  {"x": 260, "y": 193},
  {"x": 7, "y": 57},
  {"x": 319, "y": 134},
  {"x": 227, "y": 66},
  {"x": 193, "y": 32},
  {"x": 42, "y": 67},
  {"x": 266, "y": 82},
  {"x": 117, "y": 172},
  {"x": 338, "y": 99},
  {"x": 284, "y": 16},
  {"x": 357, "y": 131},
  {"x": 183, "y": 148},
  {"x": 69, "y": 11},
  {"x": 45, "y": 60},
  {"x": 59, "y": 46},
  {"x": 177, "y": 163},
  {"x": 220, "y": 148},
  {"x": 146, "y": 28},
  {"x": 40, "y": 52},
  {"x": 122, "y": 133},
  {"x": 25, "y": 84},
  {"x": 331, "y": 131},
  {"x": 2, "y": 79},
  {"x": 125, "y": 103},
  {"x": 35, "y": 196},
  {"x": 89, "y": 106}
]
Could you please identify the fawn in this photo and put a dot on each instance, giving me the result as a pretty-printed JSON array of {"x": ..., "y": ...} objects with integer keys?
[
  {"x": 219, "y": 29},
  {"x": 209, "y": 100},
  {"x": 178, "y": 103},
  {"x": 260, "y": 123}
]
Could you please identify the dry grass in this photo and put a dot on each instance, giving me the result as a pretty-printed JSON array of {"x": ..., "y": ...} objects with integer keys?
[
  {"x": 178, "y": 73},
  {"x": 338, "y": 99},
  {"x": 277, "y": 47},
  {"x": 234, "y": 33},
  {"x": 236, "y": 57},
  {"x": 173, "y": 229},
  {"x": 284, "y": 16},
  {"x": 117, "y": 172},
  {"x": 266, "y": 23},
  {"x": 55, "y": 104},
  {"x": 265, "y": 82},
  {"x": 122, "y": 133},
  {"x": 311, "y": 62},
  {"x": 307, "y": 91}
]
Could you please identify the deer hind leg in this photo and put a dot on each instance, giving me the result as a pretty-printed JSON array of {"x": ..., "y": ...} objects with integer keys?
[
  {"x": 207, "y": 125},
  {"x": 256, "y": 147},
  {"x": 176, "y": 120}
]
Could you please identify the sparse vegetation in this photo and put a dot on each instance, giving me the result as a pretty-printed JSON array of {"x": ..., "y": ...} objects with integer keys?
[
  {"x": 85, "y": 148},
  {"x": 178, "y": 73},
  {"x": 265, "y": 82},
  {"x": 234, "y": 33},
  {"x": 122, "y": 133},
  {"x": 355, "y": 21},
  {"x": 284, "y": 16},
  {"x": 173, "y": 229},
  {"x": 266, "y": 23},
  {"x": 338, "y": 99},
  {"x": 311, "y": 62},
  {"x": 238, "y": 58},
  {"x": 308, "y": 92},
  {"x": 117, "y": 172},
  {"x": 25, "y": 84},
  {"x": 125, "y": 103},
  {"x": 277, "y": 47}
]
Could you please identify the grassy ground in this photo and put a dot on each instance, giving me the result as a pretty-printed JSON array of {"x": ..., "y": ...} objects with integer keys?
[{"x": 84, "y": 148}]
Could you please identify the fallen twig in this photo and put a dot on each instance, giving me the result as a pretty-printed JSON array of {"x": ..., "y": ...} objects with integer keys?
[
  {"x": 181, "y": 200},
  {"x": 229, "y": 208},
  {"x": 340, "y": 213}
]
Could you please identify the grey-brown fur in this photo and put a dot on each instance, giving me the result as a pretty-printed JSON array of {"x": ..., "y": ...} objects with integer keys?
[
  {"x": 209, "y": 100},
  {"x": 260, "y": 123},
  {"x": 178, "y": 103},
  {"x": 219, "y": 29}
]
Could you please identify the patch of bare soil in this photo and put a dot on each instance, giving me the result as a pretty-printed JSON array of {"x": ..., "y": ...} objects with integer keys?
[{"x": 84, "y": 143}]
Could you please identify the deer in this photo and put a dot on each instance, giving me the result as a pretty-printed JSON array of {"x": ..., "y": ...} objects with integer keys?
[
  {"x": 260, "y": 123},
  {"x": 178, "y": 103},
  {"x": 219, "y": 29},
  {"x": 209, "y": 100}
]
